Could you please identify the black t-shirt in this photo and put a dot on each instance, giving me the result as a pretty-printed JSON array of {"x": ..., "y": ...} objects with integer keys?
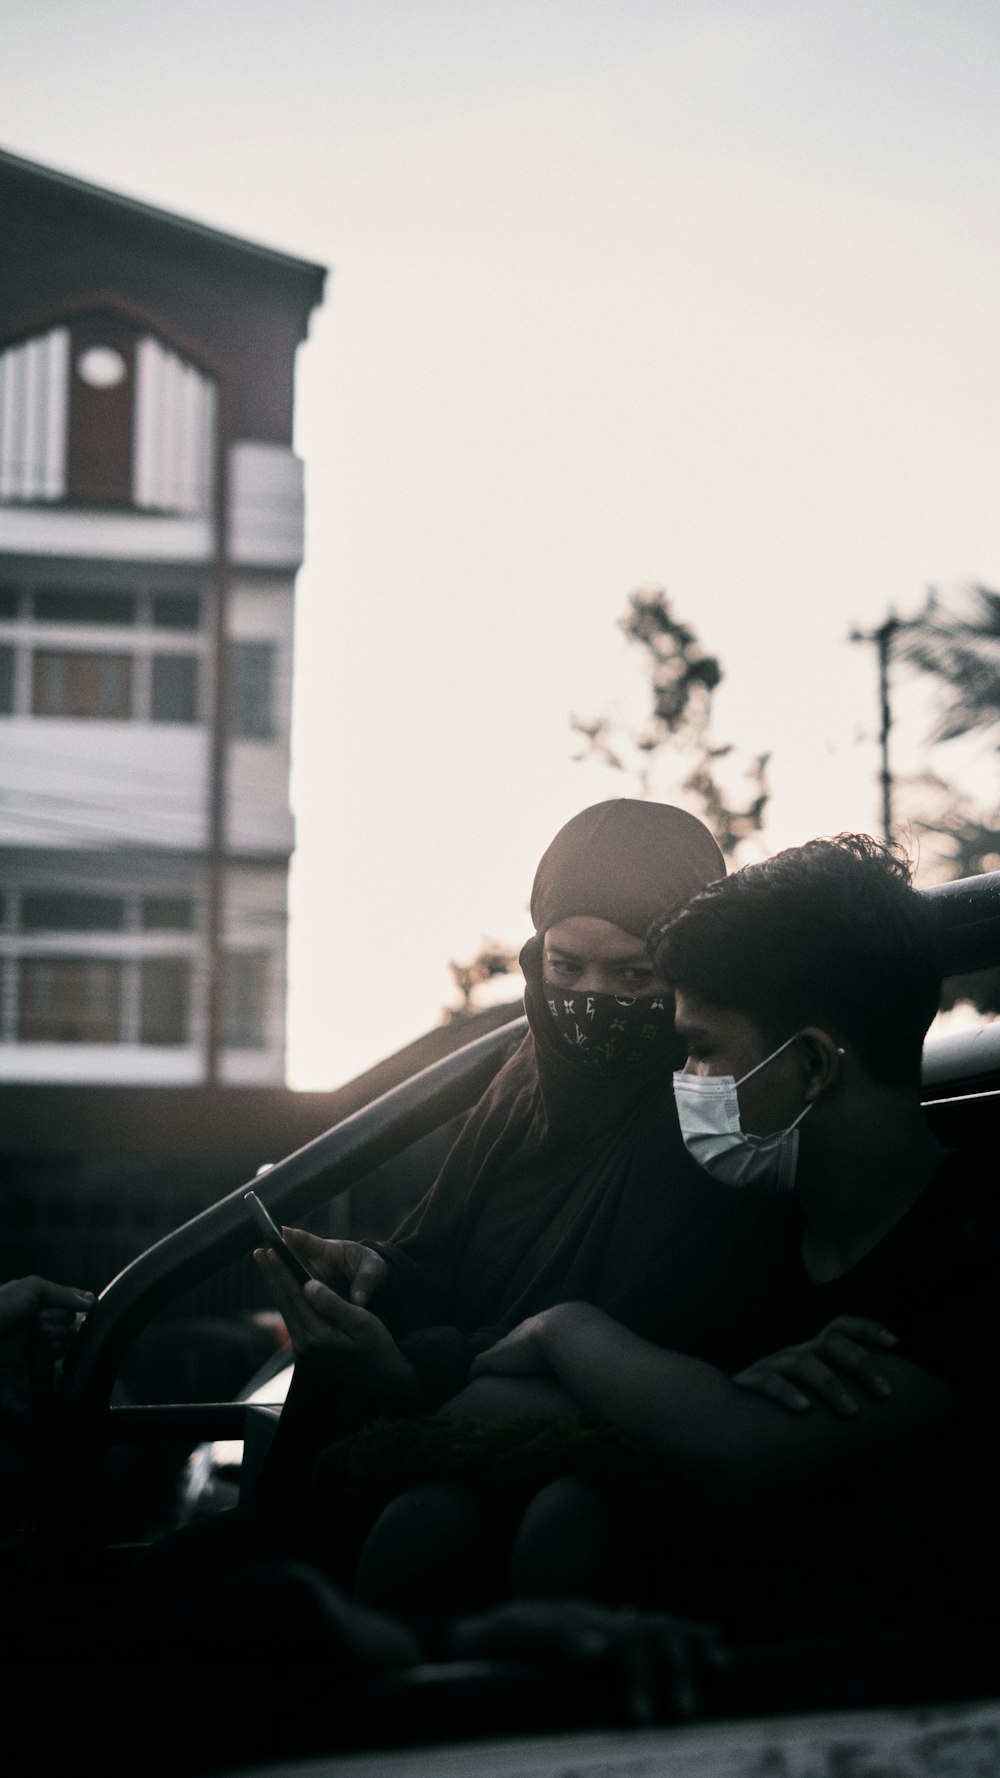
[
  {"x": 932, "y": 1280},
  {"x": 912, "y": 1537}
]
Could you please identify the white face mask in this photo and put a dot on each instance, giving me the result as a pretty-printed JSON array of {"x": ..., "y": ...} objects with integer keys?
[{"x": 708, "y": 1109}]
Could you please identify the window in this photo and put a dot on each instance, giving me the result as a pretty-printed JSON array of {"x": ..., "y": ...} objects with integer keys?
[
  {"x": 174, "y": 694},
  {"x": 70, "y": 1000},
  {"x": 173, "y": 464},
  {"x": 62, "y": 606},
  {"x": 176, "y": 611},
  {"x": 151, "y": 673},
  {"x": 133, "y": 990},
  {"x": 244, "y": 1000},
  {"x": 97, "y": 412},
  {"x": 167, "y": 913},
  {"x": 251, "y": 690},
  {"x": 164, "y": 999},
  {"x": 34, "y": 384},
  {"x": 93, "y": 685},
  {"x": 59, "y": 910}
]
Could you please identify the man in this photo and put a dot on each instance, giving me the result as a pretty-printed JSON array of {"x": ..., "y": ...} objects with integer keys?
[
  {"x": 804, "y": 987},
  {"x": 31, "y": 1309},
  {"x": 35, "y": 1305}
]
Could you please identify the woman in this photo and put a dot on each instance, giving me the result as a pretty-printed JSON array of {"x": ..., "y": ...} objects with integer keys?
[{"x": 569, "y": 1180}]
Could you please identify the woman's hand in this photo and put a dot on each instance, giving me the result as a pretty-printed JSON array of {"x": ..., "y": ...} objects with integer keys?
[
  {"x": 340, "y": 1262},
  {"x": 815, "y": 1370},
  {"x": 330, "y": 1334}
]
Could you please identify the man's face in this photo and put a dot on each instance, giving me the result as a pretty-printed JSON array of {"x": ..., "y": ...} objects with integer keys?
[
  {"x": 592, "y": 956},
  {"x": 723, "y": 1042}
]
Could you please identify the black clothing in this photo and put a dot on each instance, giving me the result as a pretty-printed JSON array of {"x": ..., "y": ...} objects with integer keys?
[
  {"x": 932, "y": 1280},
  {"x": 905, "y": 1540},
  {"x": 563, "y": 1185},
  {"x": 605, "y": 1207},
  {"x": 626, "y": 861},
  {"x": 910, "y": 1540},
  {"x": 566, "y": 1184}
]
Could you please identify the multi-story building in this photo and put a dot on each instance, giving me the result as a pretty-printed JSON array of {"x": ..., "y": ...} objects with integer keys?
[{"x": 151, "y": 525}]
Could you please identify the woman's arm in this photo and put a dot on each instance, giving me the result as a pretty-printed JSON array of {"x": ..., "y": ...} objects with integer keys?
[{"x": 692, "y": 1411}]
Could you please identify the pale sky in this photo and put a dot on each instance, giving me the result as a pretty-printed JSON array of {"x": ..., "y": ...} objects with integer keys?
[{"x": 701, "y": 294}]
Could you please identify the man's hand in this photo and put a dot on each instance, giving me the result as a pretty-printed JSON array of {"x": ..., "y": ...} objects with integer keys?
[
  {"x": 29, "y": 1304},
  {"x": 815, "y": 1370},
  {"x": 328, "y": 1333},
  {"x": 340, "y": 1262}
]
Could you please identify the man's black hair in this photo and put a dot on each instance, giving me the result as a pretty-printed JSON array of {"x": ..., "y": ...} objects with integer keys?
[{"x": 830, "y": 934}]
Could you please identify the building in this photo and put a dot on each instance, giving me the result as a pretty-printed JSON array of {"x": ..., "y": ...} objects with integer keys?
[
  {"x": 151, "y": 526},
  {"x": 151, "y": 520}
]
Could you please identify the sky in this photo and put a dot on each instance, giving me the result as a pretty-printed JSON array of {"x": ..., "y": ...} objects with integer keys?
[{"x": 691, "y": 294}]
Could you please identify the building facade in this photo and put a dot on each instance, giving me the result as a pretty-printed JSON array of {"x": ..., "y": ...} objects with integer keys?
[{"x": 151, "y": 527}]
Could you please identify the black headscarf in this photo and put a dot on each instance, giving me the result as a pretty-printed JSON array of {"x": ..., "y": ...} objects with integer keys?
[
  {"x": 564, "y": 1185},
  {"x": 626, "y": 861}
]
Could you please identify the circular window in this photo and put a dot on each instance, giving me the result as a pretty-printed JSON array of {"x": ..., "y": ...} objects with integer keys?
[{"x": 103, "y": 367}]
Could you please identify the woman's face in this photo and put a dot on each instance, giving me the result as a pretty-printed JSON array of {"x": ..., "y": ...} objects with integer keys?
[{"x": 595, "y": 957}]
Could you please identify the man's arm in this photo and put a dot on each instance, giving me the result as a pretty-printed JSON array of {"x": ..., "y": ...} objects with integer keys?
[{"x": 688, "y": 1409}]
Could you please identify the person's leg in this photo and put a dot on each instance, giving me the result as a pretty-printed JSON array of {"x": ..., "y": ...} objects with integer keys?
[
  {"x": 568, "y": 1545},
  {"x": 433, "y": 1552}
]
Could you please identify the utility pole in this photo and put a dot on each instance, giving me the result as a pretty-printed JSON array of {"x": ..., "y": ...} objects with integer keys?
[
  {"x": 882, "y": 638},
  {"x": 217, "y": 859}
]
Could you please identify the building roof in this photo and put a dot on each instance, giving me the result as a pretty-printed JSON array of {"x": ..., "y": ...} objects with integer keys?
[{"x": 14, "y": 170}]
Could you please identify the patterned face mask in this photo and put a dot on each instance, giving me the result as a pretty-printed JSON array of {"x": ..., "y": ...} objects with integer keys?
[{"x": 605, "y": 1030}]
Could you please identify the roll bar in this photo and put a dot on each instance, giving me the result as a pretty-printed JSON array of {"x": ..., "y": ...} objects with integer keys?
[
  {"x": 969, "y": 910},
  {"x": 291, "y": 1188}
]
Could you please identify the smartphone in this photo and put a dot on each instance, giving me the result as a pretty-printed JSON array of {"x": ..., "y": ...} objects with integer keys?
[{"x": 269, "y": 1228}]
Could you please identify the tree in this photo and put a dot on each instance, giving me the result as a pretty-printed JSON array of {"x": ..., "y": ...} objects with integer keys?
[
  {"x": 494, "y": 958},
  {"x": 960, "y": 650},
  {"x": 683, "y": 679}
]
